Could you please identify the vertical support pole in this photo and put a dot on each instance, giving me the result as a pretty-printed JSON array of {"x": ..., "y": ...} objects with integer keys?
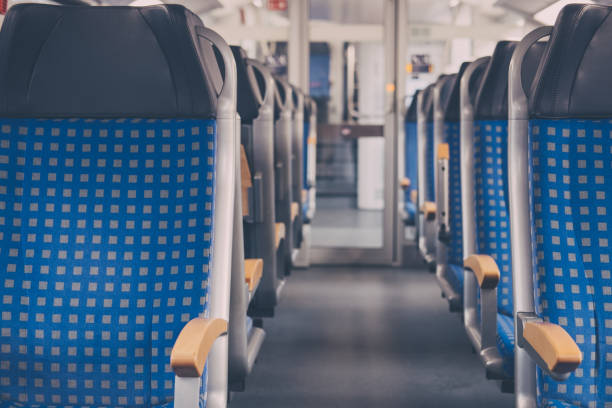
[
  {"x": 299, "y": 44},
  {"x": 336, "y": 77},
  {"x": 394, "y": 26}
]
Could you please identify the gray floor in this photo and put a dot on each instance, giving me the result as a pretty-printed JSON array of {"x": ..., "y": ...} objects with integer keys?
[
  {"x": 365, "y": 337},
  {"x": 338, "y": 223}
]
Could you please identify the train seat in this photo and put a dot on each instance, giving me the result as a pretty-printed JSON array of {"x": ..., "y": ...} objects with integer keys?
[
  {"x": 449, "y": 249},
  {"x": 410, "y": 185},
  {"x": 560, "y": 147},
  {"x": 491, "y": 308},
  {"x": 283, "y": 142},
  {"x": 309, "y": 165},
  {"x": 426, "y": 226},
  {"x": 297, "y": 158},
  {"x": 117, "y": 156},
  {"x": 254, "y": 281}
]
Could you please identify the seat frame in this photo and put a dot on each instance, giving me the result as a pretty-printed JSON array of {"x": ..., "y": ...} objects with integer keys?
[
  {"x": 187, "y": 389},
  {"x": 302, "y": 258},
  {"x": 442, "y": 185},
  {"x": 269, "y": 292},
  {"x": 520, "y": 220},
  {"x": 426, "y": 227},
  {"x": 283, "y": 136},
  {"x": 480, "y": 328}
]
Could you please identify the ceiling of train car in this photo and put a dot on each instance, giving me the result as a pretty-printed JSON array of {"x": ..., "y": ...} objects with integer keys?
[{"x": 371, "y": 12}]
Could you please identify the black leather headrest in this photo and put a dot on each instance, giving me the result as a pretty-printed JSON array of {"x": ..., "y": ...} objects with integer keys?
[
  {"x": 249, "y": 95},
  {"x": 452, "y": 111},
  {"x": 574, "y": 78},
  {"x": 492, "y": 97},
  {"x": 411, "y": 112},
  {"x": 106, "y": 62},
  {"x": 427, "y": 106},
  {"x": 447, "y": 82}
]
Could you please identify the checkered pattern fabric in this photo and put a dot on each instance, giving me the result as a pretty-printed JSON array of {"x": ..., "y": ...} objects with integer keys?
[
  {"x": 411, "y": 168},
  {"x": 492, "y": 216},
  {"x": 430, "y": 164},
  {"x": 571, "y": 189},
  {"x": 505, "y": 342},
  {"x": 455, "y": 277},
  {"x": 455, "y": 255},
  {"x": 105, "y": 241}
]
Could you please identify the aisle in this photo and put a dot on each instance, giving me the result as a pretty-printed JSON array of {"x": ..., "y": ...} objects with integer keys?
[{"x": 366, "y": 337}]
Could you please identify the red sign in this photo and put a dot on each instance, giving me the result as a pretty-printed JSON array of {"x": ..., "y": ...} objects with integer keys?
[
  {"x": 274, "y": 5},
  {"x": 3, "y": 6}
]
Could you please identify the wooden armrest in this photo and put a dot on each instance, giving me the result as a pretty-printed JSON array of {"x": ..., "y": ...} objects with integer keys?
[
  {"x": 414, "y": 196},
  {"x": 443, "y": 151},
  {"x": 246, "y": 180},
  {"x": 485, "y": 269},
  {"x": 280, "y": 233},
  {"x": 405, "y": 183},
  {"x": 253, "y": 270},
  {"x": 429, "y": 209},
  {"x": 554, "y": 345},
  {"x": 193, "y": 344},
  {"x": 295, "y": 210}
]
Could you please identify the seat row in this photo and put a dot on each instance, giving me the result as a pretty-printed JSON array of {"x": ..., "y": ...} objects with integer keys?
[
  {"x": 155, "y": 186},
  {"x": 514, "y": 175}
]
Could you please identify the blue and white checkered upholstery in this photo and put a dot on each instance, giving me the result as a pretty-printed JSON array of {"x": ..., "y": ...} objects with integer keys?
[
  {"x": 571, "y": 190},
  {"x": 305, "y": 184},
  {"x": 505, "y": 342},
  {"x": 430, "y": 164},
  {"x": 493, "y": 223},
  {"x": 455, "y": 255},
  {"x": 492, "y": 217},
  {"x": 105, "y": 241},
  {"x": 411, "y": 168}
]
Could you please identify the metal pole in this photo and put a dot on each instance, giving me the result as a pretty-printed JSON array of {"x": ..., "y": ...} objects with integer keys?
[{"x": 299, "y": 44}]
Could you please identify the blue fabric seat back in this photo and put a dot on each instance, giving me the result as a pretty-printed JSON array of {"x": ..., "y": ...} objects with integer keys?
[
  {"x": 411, "y": 156},
  {"x": 427, "y": 110},
  {"x": 106, "y": 239},
  {"x": 452, "y": 135},
  {"x": 571, "y": 188},
  {"x": 106, "y": 222},
  {"x": 491, "y": 164}
]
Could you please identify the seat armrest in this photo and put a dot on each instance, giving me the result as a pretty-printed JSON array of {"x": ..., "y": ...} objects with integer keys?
[
  {"x": 253, "y": 270},
  {"x": 443, "y": 151},
  {"x": 246, "y": 181},
  {"x": 193, "y": 344},
  {"x": 295, "y": 210},
  {"x": 549, "y": 345},
  {"x": 429, "y": 210},
  {"x": 485, "y": 269},
  {"x": 405, "y": 183},
  {"x": 279, "y": 233}
]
